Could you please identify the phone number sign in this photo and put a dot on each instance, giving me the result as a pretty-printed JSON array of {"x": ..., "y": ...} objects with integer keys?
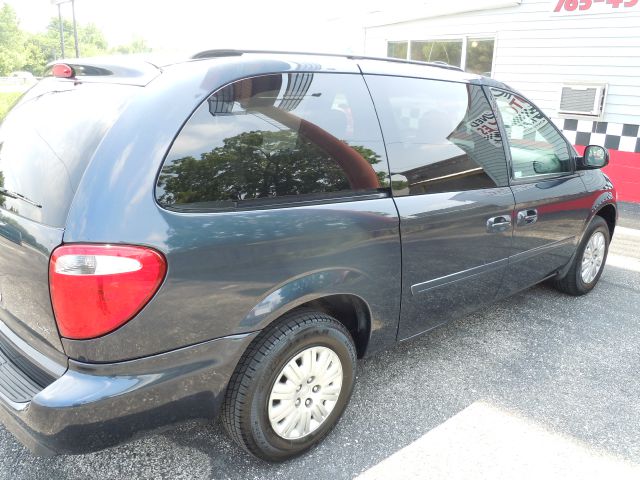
[{"x": 595, "y": 6}]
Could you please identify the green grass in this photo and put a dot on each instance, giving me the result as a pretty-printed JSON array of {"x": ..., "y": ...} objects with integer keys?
[{"x": 6, "y": 100}]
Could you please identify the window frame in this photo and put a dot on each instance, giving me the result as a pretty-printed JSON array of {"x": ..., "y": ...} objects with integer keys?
[
  {"x": 507, "y": 143},
  {"x": 302, "y": 200},
  {"x": 465, "y": 43}
]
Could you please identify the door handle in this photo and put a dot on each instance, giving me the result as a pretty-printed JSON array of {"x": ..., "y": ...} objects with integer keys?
[
  {"x": 499, "y": 224},
  {"x": 527, "y": 217}
]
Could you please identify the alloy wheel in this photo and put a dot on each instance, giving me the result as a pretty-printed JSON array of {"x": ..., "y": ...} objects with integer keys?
[{"x": 593, "y": 257}]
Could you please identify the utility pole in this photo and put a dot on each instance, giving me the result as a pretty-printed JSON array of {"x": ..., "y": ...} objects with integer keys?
[
  {"x": 75, "y": 27},
  {"x": 61, "y": 30}
]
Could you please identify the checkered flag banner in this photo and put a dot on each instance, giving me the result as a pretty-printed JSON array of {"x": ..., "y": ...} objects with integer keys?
[{"x": 615, "y": 136}]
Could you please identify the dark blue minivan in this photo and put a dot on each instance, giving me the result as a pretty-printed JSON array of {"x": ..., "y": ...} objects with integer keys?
[{"x": 226, "y": 235}]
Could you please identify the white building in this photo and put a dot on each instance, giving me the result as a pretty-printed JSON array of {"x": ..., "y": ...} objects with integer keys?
[{"x": 579, "y": 60}]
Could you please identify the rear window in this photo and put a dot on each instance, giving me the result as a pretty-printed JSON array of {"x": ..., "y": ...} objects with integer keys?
[{"x": 47, "y": 141}]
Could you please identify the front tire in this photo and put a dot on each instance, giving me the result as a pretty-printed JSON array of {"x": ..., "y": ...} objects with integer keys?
[
  {"x": 291, "y": 386},
  {"x": 588, "y": 264}
]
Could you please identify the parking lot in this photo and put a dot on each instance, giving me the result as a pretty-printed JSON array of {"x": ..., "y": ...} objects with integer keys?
[{"x": 541, "y": 385}]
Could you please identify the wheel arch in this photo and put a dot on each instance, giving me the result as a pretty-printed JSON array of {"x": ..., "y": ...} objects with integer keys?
[
  {"x": 350, "y": 310},
  {"x": 605, "y": 210},
  {"x": 610, "y": 215},
  {"x": 338, "y": 292}
]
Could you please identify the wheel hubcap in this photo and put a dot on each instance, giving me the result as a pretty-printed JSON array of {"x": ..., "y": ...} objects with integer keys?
[
  {"x": 593, "y": 257},
  {"x": 305, "y": 392}
]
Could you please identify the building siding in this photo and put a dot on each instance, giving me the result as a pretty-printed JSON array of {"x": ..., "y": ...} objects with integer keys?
[{"x": 538, "y": 50}]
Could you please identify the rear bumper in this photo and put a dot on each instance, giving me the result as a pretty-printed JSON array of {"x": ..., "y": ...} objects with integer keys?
[{"x": 92, "y": 407}]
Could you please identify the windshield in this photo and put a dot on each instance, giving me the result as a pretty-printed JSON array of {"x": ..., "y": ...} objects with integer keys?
[{"x": 47, "y": 141}]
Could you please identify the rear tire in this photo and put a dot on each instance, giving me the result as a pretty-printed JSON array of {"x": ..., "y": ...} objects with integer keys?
[
  {"x": 291, "y": 386},
  {"x": 588, "y": 264}
]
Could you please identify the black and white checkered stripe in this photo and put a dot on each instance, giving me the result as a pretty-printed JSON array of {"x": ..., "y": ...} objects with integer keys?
[{"x": 615, "y": 136}]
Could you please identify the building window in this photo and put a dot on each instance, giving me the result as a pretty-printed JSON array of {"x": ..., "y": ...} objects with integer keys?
[
  {"x": 397, "y": 50},
  {"x": 447, "y": 51},
  {"x": 474, "y": 55},
  {"x": 480, "y": 56}
]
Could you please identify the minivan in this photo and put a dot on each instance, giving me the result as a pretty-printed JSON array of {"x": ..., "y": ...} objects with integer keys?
[{"x": 226, "y": 235}]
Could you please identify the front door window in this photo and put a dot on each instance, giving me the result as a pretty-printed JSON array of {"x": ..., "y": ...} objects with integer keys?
[{"x": 536, "y": 146}]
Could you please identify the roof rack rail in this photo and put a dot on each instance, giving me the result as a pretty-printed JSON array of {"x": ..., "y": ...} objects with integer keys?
[{"x": 216, "y": 53}]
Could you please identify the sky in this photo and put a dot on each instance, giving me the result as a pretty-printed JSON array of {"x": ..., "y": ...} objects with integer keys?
[{"x": 192, "y": 25}]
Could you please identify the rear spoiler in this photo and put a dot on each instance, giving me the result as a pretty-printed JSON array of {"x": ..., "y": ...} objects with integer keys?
[{"x": 130, "y": 71}]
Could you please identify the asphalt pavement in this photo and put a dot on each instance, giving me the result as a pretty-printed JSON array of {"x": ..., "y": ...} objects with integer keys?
[{"x": 541, "y": 385}]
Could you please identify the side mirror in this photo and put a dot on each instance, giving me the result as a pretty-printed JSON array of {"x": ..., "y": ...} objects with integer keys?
[{"x": 594, "y": 157}]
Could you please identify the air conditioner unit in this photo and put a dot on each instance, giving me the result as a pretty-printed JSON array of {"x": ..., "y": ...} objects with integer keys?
[{"x": 582, "y": 100}]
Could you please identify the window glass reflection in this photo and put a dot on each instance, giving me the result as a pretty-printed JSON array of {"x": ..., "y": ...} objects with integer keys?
[
  {"x": 447, "y": 51},
  {"x": 397, "y": 50},
  {"x": 480, "y": 56},
  {"x": 441, "y": 136},
  {"x": 536, "y": 146},
  {"x": 277, "y": 138}
]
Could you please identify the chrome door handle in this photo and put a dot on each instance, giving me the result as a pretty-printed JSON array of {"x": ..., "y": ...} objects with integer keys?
[
  {"x": 527, "y": 217},
  {"x": 499, "y": 224}
]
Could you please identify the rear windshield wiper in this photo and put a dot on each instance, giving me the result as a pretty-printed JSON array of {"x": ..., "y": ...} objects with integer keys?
[{"x": 10, "y": 194}]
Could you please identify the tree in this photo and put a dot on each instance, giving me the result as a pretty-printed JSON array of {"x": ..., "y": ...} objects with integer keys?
[
  {"x": 39, "y": 51},
  {"x": 12, "y": 54},
  {"x": 256, "y": 164},
  {"x": 43, "y": 48},
  {"x": 20, "y": 50},
  {"x": 90, "y": 39},
  {"x": 137, "y": 45}
]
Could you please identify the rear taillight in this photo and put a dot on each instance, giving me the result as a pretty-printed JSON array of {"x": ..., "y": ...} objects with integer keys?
[{"x": 98, "y": 288}]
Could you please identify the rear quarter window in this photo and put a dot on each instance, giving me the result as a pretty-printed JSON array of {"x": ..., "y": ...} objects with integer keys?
[{"x": 274, "y": 140}]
